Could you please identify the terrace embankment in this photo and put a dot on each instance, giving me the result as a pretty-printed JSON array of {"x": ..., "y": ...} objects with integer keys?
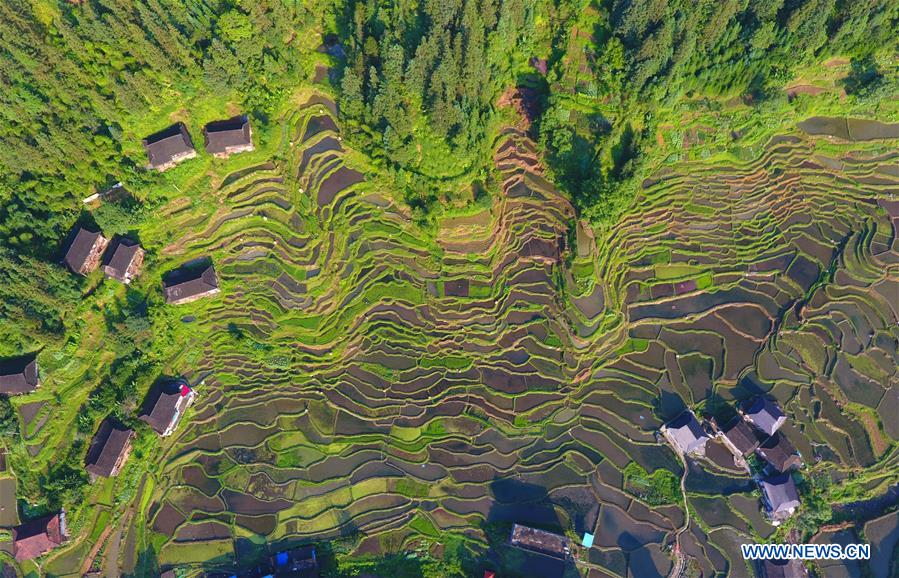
[{"x": 365, "y": 377}]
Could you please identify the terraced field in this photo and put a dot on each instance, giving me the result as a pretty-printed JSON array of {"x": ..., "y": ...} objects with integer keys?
[{"x": 371, "y": 381}]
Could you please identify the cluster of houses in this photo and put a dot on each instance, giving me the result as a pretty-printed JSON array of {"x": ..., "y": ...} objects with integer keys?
[
  {"x": 754, "y": 430},
  {"x": 170, "y": 146},
  {"x": 122, "y": 259},
  {"x": 108, "y": 451}
]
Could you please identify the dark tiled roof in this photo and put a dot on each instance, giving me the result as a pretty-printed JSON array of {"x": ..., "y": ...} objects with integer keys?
[
  {"x": 782, "y": 569},
  {"x": 539, "y": 541},
  {"x": 161, "y": 404},
  {"x": 38, "y": 536},
  {"x": 120, "y": 256},
  {"x": 780, "y": 453},
  {"x": 742, "y": 436},
  {"x": 80, "y": 249},
  {"x": 223, "y": 134},
  {"x": 18, "y": 375},
  {"x": 111, "y": 442},
  {"x": 764, "y": 414},
  {"x": 163, "y": 146},
  {"x": 185, "y": 284},
  {"x": 686, "y": 432},
  {"x": 780, "y": 493}
]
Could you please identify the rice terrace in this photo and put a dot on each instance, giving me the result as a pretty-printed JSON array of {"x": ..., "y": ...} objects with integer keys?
[{"x": 448, "y": 290}]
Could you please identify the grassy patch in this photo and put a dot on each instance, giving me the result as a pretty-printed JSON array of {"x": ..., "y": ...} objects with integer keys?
[{"x": 656, "y": 489}]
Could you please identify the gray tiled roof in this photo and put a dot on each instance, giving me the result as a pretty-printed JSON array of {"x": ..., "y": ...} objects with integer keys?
[
  {"x": 780, "y": 493},
  {"x": 764, "y": 414}
]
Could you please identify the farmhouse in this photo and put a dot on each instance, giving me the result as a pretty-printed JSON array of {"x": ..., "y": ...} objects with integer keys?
[
  {"x": 184, "y": 286},
  {"x": 539, "y": 541},
  {"x": 685, "y": 434},
  {"x": 763, "y": 414},
  {"x": 780, "y": 497},
  {"x": 780, "y": 453},
  {"x": 84, "y": 252},
  {"x": 782, "y": 569},
  {"x": 38, "y": 536},
  {"x": 165, "y": 404},
  {"x": 19, "y": 375},
  {"x": 740, "y": 438},
  {"x": 168, "y": 147},
  {"x": 226, "y": 137},
  {"x": 123, "y": 260},
  {"x": 109, "y": 449},
  {"x": 296, "y": 563}
]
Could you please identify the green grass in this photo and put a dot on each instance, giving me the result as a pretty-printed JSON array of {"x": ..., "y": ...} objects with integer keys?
[
  {"x": 633, "y": 345},
  {"x": 656, "y": 489}
]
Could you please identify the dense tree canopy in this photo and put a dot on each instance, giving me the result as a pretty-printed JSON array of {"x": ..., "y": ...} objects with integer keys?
[{"x": 431, "y": 72}]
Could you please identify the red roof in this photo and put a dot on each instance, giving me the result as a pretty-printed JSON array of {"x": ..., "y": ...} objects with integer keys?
[
  {"x": 185, "y": 390},
  {"x": 36, "y": 537},
  {"x": 489, "y": 574}
]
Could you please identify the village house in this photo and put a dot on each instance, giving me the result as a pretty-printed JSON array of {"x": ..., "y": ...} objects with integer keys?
[
  {"x": 780, "y": 453},
  {"x": 782, "y": 569},
  {"x": 540, "y": 541},
  {"x": 123, "y": 260},
  {"x": 763, "y": 414},
  {"x": 37, "y": 537},
  {"x": 780, "y": 497},
  {"x": 740, "y": 438},
  {"x": 109, "y": 449},
  {"x": 184, "y": 285},
  {"x": 165, "y": 404},
  {"x": 296, "y": 563},
  {"x": 685, "y": 434},
  {"x": 227, "y": 137},
  {"x": 84, "y": 252},
  {"x": 168, "y": 147},
  {"x": 19, "y": 375}
]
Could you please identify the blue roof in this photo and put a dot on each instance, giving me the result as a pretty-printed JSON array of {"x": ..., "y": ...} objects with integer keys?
[
  {"x": 588, "y": 540},
  {"x": 281, "y": 559}
]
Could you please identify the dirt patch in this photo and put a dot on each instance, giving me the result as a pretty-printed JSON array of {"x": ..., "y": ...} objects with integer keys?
[
  {"x": 321, "y": 74},
  {"x": 526, "y": 103},
  {"x": 793, "y": 91},
  {"x": 29, "y": 411}
]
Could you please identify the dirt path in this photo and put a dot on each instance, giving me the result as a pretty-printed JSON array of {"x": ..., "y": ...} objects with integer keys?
[
  {"x": 680, "y": 561},
  {"x": 89, "y": 560}
]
